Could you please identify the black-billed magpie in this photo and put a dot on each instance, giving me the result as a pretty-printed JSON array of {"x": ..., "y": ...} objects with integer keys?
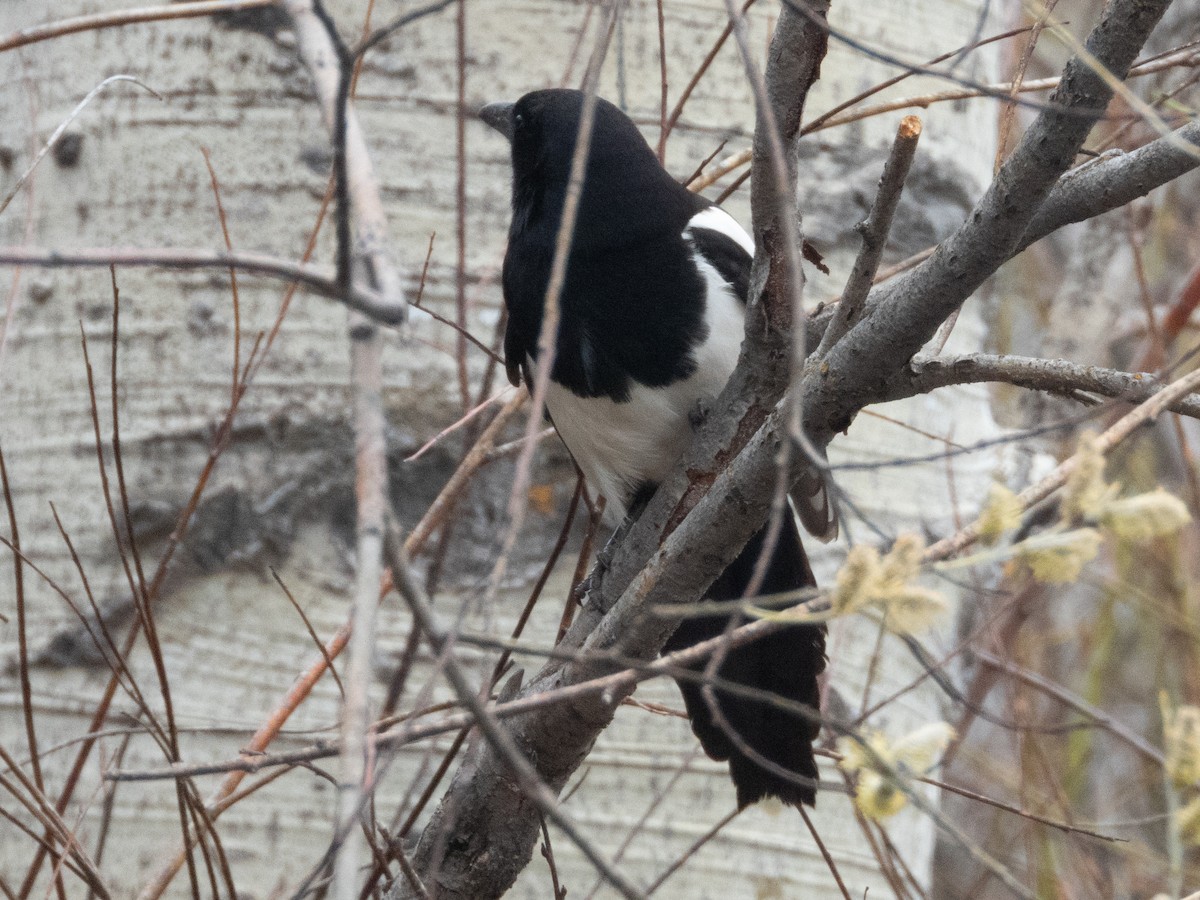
[{"x": 651, "y": 324}]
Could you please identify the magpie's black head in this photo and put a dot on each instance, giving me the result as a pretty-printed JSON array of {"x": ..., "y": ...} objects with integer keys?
[{"x": 625, "y": 187}]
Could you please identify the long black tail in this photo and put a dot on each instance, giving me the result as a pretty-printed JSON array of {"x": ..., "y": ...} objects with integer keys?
[{"x": 785, "y": 663}]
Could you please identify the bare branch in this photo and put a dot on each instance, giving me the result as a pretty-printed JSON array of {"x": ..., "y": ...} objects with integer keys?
[
  {"x": 1057, "y": 376},
  {"x": 1090, "y": 190},
  {"x": 62, "y": 127},
  {"x": 874, "y": 231},
  {"x": 358, "y": 194},
  {"x": 529, "y": 783},
  {"x": 1148, "y": 411},
  {"x": 1185, "y": 57},
  {"x": 909, "y": 310},
  {"x": 1113, "y": 180},
  {"x": 629, "y": 673},
  {"x": 361, "y": 299},
  {"x": 116, "y": 18}
]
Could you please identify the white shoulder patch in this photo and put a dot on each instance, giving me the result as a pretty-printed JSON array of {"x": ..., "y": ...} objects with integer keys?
[{"x": 716, "y": 219}]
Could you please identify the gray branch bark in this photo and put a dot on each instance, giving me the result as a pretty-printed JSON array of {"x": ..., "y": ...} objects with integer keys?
[
  {"x": 1091, "y": 190},
  {"x": 1057, "y": 376},
  {"x": 1113, "y": 180},
  {"x": 907, "y": 311}
]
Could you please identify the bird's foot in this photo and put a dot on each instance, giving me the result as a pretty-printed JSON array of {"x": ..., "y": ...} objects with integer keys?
[{"x": 591, "y": 585}]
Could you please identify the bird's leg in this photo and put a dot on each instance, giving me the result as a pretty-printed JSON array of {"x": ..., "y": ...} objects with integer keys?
[
  {"x": 595, "y": 578},
  {"x": 641, "y": 499}
]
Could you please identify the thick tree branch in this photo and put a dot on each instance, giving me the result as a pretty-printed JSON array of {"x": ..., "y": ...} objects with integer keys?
[
  {"x": 1113, "y": 180},
  {"x": 908, "y": 310},
  {"x": 741, "y": 494},
  {"x": 762, "y": 372},
  {"x": 529, "y": 788},
  {"x": 1090, "y": 190}
]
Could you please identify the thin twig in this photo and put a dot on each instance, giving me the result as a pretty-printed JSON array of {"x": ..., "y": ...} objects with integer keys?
[
  {"x": 138, "y": 585},
  {"x": 1148, "y": 411},
  {"x": 704, "y": 66},
  {"x": 825, "y": 854},
  {"x": 692, "y": 850},
  {"x": 39, "y": 806},
  {"x": 116, "y": 19},
  {"x": 233, "y": 282},
  {"x": 304, "y": 684},
  {"x": 35, "y": 758},
  {"x": 1008, "y": 111},
  {"x": 500, "y": 739},
  {"x": 467, "y": 417},
  {"x": 908, "y": 73},
  {"x": 874, "y": 232},
  {"x": 655, "y": 802},
  {"x": 661, "y": 149},
  {"x": 630, "y": 673},
  {"x": 560, "y": 892},
  {"x": 62, "y": 127},
  {"x": 1186, "y": 57},
  {"x": 226, "y": 793},
  {"x": 548, "y": 333},
  {"x": 1068, "y": 698},
  {"x": 358, "y": 198},
  {"x": 1023, "y": 813},
  {"x": 311, "y": 631},
  {"x": 460, "y": 203},
  {"x": 368, "y": 302}
]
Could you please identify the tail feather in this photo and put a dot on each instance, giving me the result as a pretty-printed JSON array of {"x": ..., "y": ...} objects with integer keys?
[{"x": 786, "y": 663}]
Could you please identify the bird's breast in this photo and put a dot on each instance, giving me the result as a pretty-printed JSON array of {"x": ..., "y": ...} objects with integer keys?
[{"x": 624, "y": 445}]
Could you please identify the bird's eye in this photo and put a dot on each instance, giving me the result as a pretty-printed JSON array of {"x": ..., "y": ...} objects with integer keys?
[{"x": 518, "y": 120}]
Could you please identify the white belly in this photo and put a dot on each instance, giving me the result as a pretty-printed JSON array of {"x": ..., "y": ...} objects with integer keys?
[{"x": 622, "y": 446}]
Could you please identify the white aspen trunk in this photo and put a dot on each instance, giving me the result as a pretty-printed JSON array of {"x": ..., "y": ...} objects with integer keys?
[{"x": 281, "y": 493}]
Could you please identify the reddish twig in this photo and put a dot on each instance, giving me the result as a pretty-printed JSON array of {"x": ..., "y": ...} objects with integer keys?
[
  {"x": 661, "y": 150},
  {"x": 35, "y": 758},
  {"x": 677, "y": 111},
  {"x": 692, "y": 850},
  {"x": 560, "y": 892},
  {"x": 825, "y": 854},
  {"x": 312, "y": 633},
  {"x": 233, "y": 282},
  {"x": 1008, "y": 110}
]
